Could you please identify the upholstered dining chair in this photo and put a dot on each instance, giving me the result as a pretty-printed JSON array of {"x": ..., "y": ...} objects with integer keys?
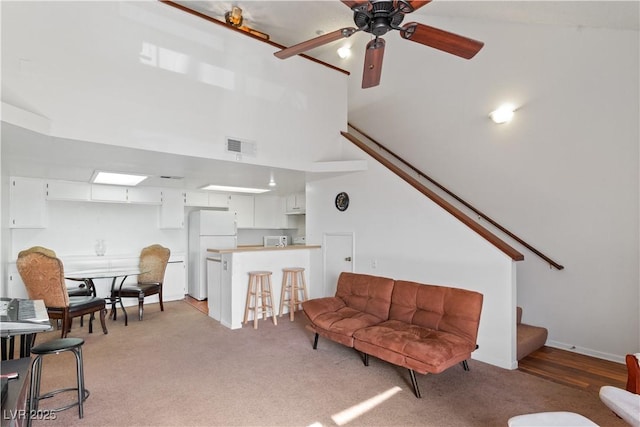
[
  {"x": 153, "y": 263},
  {"x": 43, "y": 276}
]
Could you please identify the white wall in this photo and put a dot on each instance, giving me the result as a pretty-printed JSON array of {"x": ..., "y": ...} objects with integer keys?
[
  {"x": 411, "y": 238},
  {"x": 74, "y": 227},
  {"x": 147, "y": 75},
  {"x": 563, "y": 175}
]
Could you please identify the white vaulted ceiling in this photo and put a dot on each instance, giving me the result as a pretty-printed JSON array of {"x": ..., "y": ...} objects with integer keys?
[{"x": 289, "y": 22}]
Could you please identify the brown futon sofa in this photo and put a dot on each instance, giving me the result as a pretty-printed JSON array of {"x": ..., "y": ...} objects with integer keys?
[{"x": 424, "y": 328}]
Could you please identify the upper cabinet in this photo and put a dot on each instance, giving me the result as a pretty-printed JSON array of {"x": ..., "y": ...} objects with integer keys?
[
  {"x": 172, "y": 209},
  {"x": 243, "y": 206},
  {"x": 206, "y": 199},
  {"x": 117, "y": 193},
  {"x": 27, "y": 203},
  {"x": 196, "y": 198},
  {"x": 218, "y": 200},
  {"x": 269, "y": 212},
  {"x": 146, "y": 195},
  {"x": 108, "y": 193},
  {"x": 68, "y": 190},
  {"x": 296, "y": 203}
]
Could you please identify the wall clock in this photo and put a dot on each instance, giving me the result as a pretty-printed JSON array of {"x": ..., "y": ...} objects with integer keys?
[{"x": 342, "y": 201}]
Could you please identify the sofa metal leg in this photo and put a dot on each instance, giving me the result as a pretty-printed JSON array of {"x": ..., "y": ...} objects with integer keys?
[
  {"x": 414, "y": 383},
  {"x": 465, "y": 365},
  {"x": 315, "y": 342},
  {"x": 365, "y": 359}
]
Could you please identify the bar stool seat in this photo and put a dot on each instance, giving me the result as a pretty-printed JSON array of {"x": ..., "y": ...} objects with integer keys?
[
  {"x": 259, "y": 293},
  {"x": 292, "y": 283},
  {"x": 56, "y": 346}
]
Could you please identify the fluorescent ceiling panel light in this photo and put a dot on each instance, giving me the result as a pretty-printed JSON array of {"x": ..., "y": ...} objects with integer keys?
[
  {"x": 113, "y": 178},
  {"x": 234, "y": 189}
]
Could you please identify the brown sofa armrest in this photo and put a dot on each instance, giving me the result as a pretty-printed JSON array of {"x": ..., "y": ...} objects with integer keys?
[{"x": 315, "y": 307}]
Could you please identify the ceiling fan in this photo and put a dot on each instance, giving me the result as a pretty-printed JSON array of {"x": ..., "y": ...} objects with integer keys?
[{"x": 378, "y": 17}]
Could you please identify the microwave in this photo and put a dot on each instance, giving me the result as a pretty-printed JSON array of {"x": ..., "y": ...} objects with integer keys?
[{"x": 275, "y": 241}]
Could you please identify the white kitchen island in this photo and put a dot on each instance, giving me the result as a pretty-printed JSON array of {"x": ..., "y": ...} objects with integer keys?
[{"x": 228, "y": 277}]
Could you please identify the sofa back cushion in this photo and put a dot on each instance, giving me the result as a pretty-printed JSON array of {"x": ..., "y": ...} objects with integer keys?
[
  {"x": 369, "y": 294},
  {"x": 437, "y": 307}
]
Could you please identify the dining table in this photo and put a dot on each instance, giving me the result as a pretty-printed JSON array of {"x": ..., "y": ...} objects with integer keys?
[{"x": 87, "y": 277}]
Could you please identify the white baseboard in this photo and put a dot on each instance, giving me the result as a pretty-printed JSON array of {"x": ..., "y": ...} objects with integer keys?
[{"x": 586, "y": 351}]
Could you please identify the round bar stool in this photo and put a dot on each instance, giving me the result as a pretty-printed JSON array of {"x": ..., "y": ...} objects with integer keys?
[
  {"x": 292, "y": 283},
  {"x": 260, "y": 292},
  {"x": 56, "y": 346}
]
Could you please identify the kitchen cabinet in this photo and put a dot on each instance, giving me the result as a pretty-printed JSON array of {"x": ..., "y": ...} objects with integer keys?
[
  {"x": 175, "y": 279},
  {"x": 68, "y": 190},
  {"x": 108, "y": 193},
  {"x": 27, "y": 203},
  {"x": 296, "y": 203},
  {"x": 206, "y": 199},
  {"x": 144, "y": 195},
  {"x": 243, "y": 206},
  {"x": 121, "y": 194},
  {"x": 218, "y": 200},
  {"x": 269, "y": 212},
  {"x": 196, "y": 198},
  {"x": 172, "y": 209}
]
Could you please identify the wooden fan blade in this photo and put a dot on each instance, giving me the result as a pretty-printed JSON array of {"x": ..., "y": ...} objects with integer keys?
[
  {"x": 315, "y": 42},
  {"x": 373, "y": 63},
  {"x": 441, "y": 40},
  {"x": 352, "y": 3},
  {"x": 415, "y": 4}
]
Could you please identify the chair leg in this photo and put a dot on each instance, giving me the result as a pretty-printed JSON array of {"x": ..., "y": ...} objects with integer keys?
[
  {"x": 66, "y": 324},
  {"x": 103, "y": 315},
  {"x": 91, "y": 317},
  {"x": 315, "y": 342},
  {"x": 465, "y": 365},
  {"x": 140, "y": 306},
  {"x": 414, "y": 383},
  {"x": 160, "y": 297}
]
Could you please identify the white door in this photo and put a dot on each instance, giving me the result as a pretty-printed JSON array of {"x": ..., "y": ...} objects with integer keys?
[{"x": 338, "y": 257}]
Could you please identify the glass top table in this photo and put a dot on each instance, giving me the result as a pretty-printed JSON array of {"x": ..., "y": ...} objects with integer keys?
[{"x": 115, "y": 274}]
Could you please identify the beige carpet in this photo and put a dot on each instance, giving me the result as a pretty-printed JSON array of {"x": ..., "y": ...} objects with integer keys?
[{"x": 179, "y": 367}]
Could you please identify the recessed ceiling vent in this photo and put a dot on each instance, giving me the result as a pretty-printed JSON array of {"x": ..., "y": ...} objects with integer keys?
[
  {"x": 239, "y": 146},
  {"x": 171, "y": 177}
]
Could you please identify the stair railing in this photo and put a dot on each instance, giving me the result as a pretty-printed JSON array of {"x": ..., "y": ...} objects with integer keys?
[{"x": 446, "y": 205}]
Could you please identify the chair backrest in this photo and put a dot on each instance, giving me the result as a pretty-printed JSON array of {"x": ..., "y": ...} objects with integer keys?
[
  {"x": 153, "y": 263},
  {"x": 43, "y": 276}
]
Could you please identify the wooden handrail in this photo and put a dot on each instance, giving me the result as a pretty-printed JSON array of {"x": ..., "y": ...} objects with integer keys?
[
  {"x": 229, "y": 27},
  {"x": 486, "y": 234},
  {"x": 463, "y": 202}
]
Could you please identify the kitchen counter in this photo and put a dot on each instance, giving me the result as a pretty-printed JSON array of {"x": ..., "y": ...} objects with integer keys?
[
  {"x": 262, "y": 248},
  {"x": 228, "y": 277}
]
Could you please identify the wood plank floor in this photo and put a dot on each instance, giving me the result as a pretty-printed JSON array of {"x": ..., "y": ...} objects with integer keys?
[
  {"x": 561, "y": 366},
  {"x": 573, "y": 369}
]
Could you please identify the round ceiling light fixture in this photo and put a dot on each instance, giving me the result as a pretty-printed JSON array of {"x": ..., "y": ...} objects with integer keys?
[{"x": 503, "y": 114}]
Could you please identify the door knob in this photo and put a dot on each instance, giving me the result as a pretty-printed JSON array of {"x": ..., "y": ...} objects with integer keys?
[{"x": 348, "y": 259}]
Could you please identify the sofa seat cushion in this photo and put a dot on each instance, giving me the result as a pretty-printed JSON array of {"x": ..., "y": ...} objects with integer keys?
[
  {"x": 422, "y": 349},
  {"x": 333, "y": 319}
]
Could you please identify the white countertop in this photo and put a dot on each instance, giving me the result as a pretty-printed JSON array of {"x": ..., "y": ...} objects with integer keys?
[{"x": 262, "y": 248}]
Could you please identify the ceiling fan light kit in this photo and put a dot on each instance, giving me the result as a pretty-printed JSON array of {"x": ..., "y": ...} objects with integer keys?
[{"x": 378, "y": 17}]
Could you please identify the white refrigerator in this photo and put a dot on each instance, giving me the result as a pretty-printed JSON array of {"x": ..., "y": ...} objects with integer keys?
[{"x": 207, "y": 230}]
